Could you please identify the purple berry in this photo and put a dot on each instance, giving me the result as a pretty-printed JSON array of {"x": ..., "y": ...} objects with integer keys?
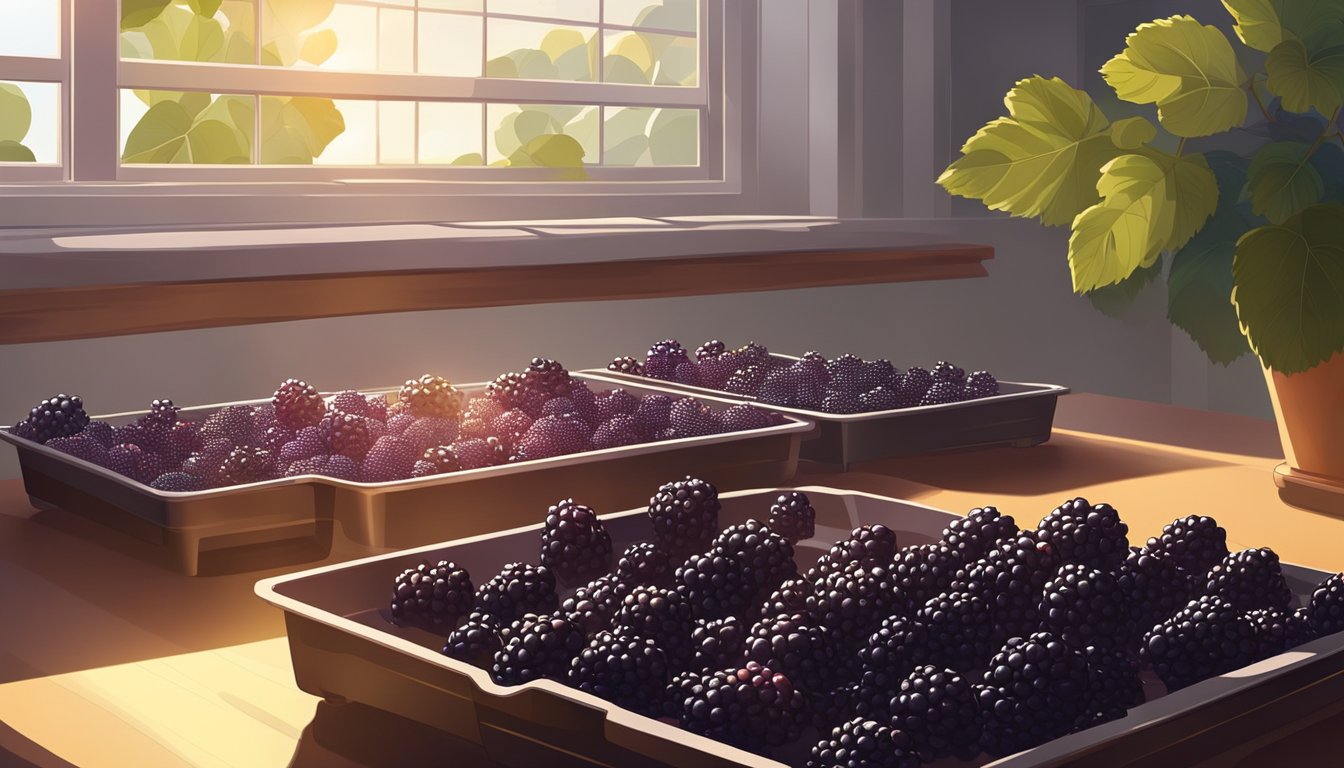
[{"x": 390, "y": 458}]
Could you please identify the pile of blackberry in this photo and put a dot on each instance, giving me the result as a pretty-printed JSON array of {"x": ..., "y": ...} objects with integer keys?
[{"x": 844, "y": 384}]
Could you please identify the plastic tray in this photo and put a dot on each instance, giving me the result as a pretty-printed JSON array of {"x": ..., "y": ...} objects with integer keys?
[
  {"x": 1022, "y": 414},
  {"x": 399, "y": 513},
  {"x": 344, "y": 649}
]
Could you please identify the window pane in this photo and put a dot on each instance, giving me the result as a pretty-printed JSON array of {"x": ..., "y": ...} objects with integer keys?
[
  {"x": 396, "y": 132},
  {"x": 452, "y": 5},
  {"x": 174, "y": 32},
  {"x": 396, "y": 40},
  {"x": 646, "y": 58},
  {"x": 31, "y": 28},
  {"x": 648, "y": 136},
  {"x": 450, "y": 133},
  {"x": 30, "y": 123},
  {"x": 168, "y": 127},
  {"x": 542, "y": 135},
  {"x": 538, "y": 51},
  {"x": 577, "y": 10},
  {"x": 670, "y": 15},
  {"x": 345, "y": 39},
  {"x": 450, "y": 44},
  {"x": 303, "y": 130}
]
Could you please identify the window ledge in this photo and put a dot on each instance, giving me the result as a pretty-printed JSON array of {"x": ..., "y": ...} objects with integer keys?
[{"x": 76, "y": 284}]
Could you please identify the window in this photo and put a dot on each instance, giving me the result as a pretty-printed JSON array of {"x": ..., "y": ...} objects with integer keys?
[{"x": 314, "y": 90}]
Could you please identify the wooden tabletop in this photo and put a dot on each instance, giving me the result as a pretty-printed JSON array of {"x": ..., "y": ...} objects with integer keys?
[{"x": 109, "y": 659}]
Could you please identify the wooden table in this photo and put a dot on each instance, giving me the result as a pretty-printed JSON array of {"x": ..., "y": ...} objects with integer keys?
[{"x": 109, "y": 659}]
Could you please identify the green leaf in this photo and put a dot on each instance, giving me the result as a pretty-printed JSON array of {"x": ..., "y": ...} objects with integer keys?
[
  {"x": 206, "y": 8},
  {"x": 290, "y": 17},
  {"x": 14, "y": 152},
  {"x": 159, "y": 134},
  {"x": 1132, "y": 132},
  {"x": 552, "y": 151},
  {"x": 215, "y": 142},
  {"x": 1289, "y": 288},
  {"x": 1118, "y": 300},
  {"x": 1264, "y": 24},
  {"x": 1282, "y": 181},
  {"x": 297, "y": 129},
  {"x": 471, "y": 158},
  {"x": 137, "y": 13},
  {"x": 1309, "y": 75},
  {"x": 1042, "y": 160},
  {"x": 674, "y": 137},
  {"x": 524, "y": 63},
  {"x": 619, "y": 69},
  {"x": 319, "y": 46},
  {"x": 1188, "y": 70},
  {"x": 16, "y": 114}
]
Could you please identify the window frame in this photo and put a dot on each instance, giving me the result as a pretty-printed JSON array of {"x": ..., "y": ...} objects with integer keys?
[{"x": 34, "y": 69}]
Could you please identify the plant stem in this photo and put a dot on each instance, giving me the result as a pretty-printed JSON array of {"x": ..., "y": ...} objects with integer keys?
[
  {"x": 1180, "y": 147},
  {"x": 1256, "y": 95},
  {"x": 1325, "y": 134}
]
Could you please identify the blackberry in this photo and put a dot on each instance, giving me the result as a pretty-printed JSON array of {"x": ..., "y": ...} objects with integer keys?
[
  {"x": 337, "y": 466},
  {"x": 1011, "y": 579},
  {"x": 559, "y": 406},
  {"x": 767, "y": 556},
  {"x": 357, "y": 404},
  {"x": 1089, "y": 534},
  {"x": 1205, "y": 638},
  {"x": 1033, "y": 691},
  {"x": 616, "y": 402},
  {"x": 346, "y": 434},
  {"x": 687, "y": 373},
  {"x": 979, "y": 533},
  {"x": 716, "y": 584},
  {"x": 511, "y": 392},
  {"x": 941, "y": 393},
  {"x": 663, "y": 358},
  {"x": 397, "y": 423},
  {"x": 924, "y": 571},
  {"x": 873, "y": 544},
  {"x": 753, "y": 351},
  {"x": 515, "y": 628},
  {"x": 519, "y": 588},
  {"x": 746, "y": 380},
  {"x": 752, "y": 707},
  {"x": 743, "y": 418},
  {"x": 297, "y": 405},
  {"x": 551, "y": 436},
  {"x": 626, "y": 364},
  {"x": 432, "y": 596},
  {"x": 574, "y": 543},
  {"x": 543, "y": 650},
  {"x": 793, "y": 517},
  {"x": 912, "y": 386},
  {"x": 797, "y": 646},
  {"x": 660, "y": 615},
  {"x": 246, "y": 464},
  {"x": 1277, "y": 630},
  {"x": 860, "y": 743},
  {"x": 178, "y": 482},
  {"x": 789, "y": 597},
  {"x": 57, "y": 416},
  {"x": 841, "y": 402},
  {"x": 510, "y": 426},
  {"x": 593, "y": 605},
  {"x": 1113, "y": 682},
  {"x": 1086, "y": 607},
  {"x": 619, "y": 430},
  {"x": 25, "y": 431},
  {"x": 898, "y": 645},
  {"x": 546, "y": 377},
  {"x": 947, "y": 373},
  {"x": 185, "y": 439},
  {"x": 472, "y": 453},
  {"x": 476, "y": 641},
  {"x": 936, "y": 708},
  {"x": 232, "y": 423},
  {"x": 424, "y": 468},
  {"x": 960, "y": 631},
  {"x": 1250, "y": 579},
  {"x": 691, "y": 418},
  {"x": 882, "y": 398},
  {"x": 158, "y": 424},
  {"x": 710, "y": 349},
  {"x": 630, "y": 672},
  {"x": 275, "y": 436},
  {"x": 1154, "y": 587},
  {"x": 431, "y": 396},
  {"x": 718, "y": 644},
  {"x": 81, "y": 446},
  {"x": 844, "y": 373},
  {"x": 102, "y": 431},
  {"x": 1325, "y": 610},
  {"x": 307, "y": 443},
  {"x": 981, "y": 384},
  {"x": 390, "y": 458},
  {"x": 872, "y": 694},
  {"x": 681, "y": 687},
  {"x": 814, "y": 355},
  {"x": 685, "y": 515},
  {"x": 852, "y": 601},
  {"x": 124, "y": 459},
  {"x": 877, "y": 373},
  {"x": 204, "y": 464},
  {"x": 644, "y": 563},
  {"x": 1196, "y": 542},
  {"x": 713, "y": 372},
  {"x": 428, "y": 432},
  {"x": 653, "y": 412},
  {"x": 778, "y": 388}
]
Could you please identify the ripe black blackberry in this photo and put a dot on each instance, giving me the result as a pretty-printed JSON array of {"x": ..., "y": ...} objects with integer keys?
[
  {"x": 860, "y": 743},
  {"x": 752, "y": 707},
  {"x": 347, "y": 434},
  {"x": 1205, "y": 638},
  {"x": 718, "y": 644},
  {"x": 941, "y": 393},
  {"x": 872, "y": 694},
  {"x": 593, "y": 605},
  {"x": 517, "y": 589},
  {"x": 297, "y": 404},
  {"x": 960, "y": 631},
  {"x": 685, "y": 515},
  {"x": 1325, "y": 610},
  {"x": 433, "y": 596},
  {"x": 232, "y": 424},
  {"x": 551, "y": 436},
  {"x": 851, "y": 602},
  {"x": 511, "y": 391},
  {"x": 767, "y": 556},
  {"x": 947, "y": 373},
  {"x": 878, "y": 373},
  {"x": 543, "y": 650},
  {"x": 845, "y": 373},
  {"x": 1113, "y": 683},
  {"x": 980, "y": 532},
  {"x": 712, "y": 348},
  {"x": 937, "y": 710},
  {"x": 661, "y": 615},
  {"x": 1277, "y": 630},
  {"x": 1086, "y": 607},
  {"x": 103, "y": 432},
  {"x": 913, "y": 385},
  {"x": 836, "y": 401},
  {"x": 476, "y": 641},
  {"x": 1196, "y": 542},
  {"x": 619, "y": 430},
  {"x": 789, "y": 597},
  {"x": 81, "y": 446},
  {"x": 793, "y": 517},
  {"x": 159, "y": 422},
  {"x": 716, "y": 584},
  {"x": 925, "y": 570},
  {"x": 881, "y": 398},
  {"x": 1154, "y": 587},
  {"x": 1010, "y": 579},
  {"x": 1033, "y": 691},
  {"x": 57, "y": 416},
  {"x": 691, "y": 418},
  {"x": 327, "y": 465},
  {"x": 626, "y": 364},
  {"x": 390, "y": 458},
  {"x": 746, "y": 380},
  {"x": 630, "y": 672},
  {"x": 652, "y": 412},
  {"x": 743, "y": 417},
  {"x": 778, "y": 388},
  {"x": 644, "y": 563},
  {"x": 575, "y": 544},
  {"x": 797, "y": 646},
  {"x": 873, "y": 544},
  {"x": 177, "y": 482},
  {"x": 1250, "y": 579},
  {"x": 663, "y": 358},
  {"x": 1090, "y": 534},
  {"x": 546, "y": 377},
  {"x": 430, "y": 432},
  {"x": 246, "y": 464},
  {"x": 898, "y": 645},
  {"x": 981, "y": 384}
]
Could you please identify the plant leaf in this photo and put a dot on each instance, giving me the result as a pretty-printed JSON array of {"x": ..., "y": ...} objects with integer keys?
[
  {"x": 1264, "y": 24},
  {"x": 1189, "y": 70},
  {"x": 1193, "y": 190},
  {"x": 206, "y": 8},
  {"x": 14, "y": 152},
  {"x": 1042, "y": 160},
  {"x": 1289, "y": 288},
  {"x": 319, "y": 46},
  {"x": 552, "y": 151},
  {"x": 1118, "y": 300},
  {"x": 1132, "y": 132},
  {"x": 16, "y": 114},
  {"x": 1282, "y": 181},
  {"x": 159, "y": 134},
  {"x": 137, "y": 13},
  {"x": 1309, "y": 75},
  {"x": 674, "y": 137}
]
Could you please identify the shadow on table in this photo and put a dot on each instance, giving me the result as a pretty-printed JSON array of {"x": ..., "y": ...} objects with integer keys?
[
  {"x": 1170, "y": 425},
  {"x": 356, "y": 736},
  {"x": 18, "y": 751}
]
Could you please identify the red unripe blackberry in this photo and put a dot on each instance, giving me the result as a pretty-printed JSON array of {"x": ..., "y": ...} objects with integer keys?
[{"x": 297, "y": 405}]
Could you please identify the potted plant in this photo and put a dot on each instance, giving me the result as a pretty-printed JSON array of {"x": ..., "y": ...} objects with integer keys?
[{"x": 1240, "y": 181}]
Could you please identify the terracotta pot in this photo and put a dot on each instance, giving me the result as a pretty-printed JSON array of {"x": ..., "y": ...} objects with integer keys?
[{"x": 1309, "y": 407}]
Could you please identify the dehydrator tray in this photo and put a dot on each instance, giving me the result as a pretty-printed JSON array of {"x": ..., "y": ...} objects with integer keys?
[
  {"x": 326, "y": 511},
  {"x": 1022, "y": 414},
  {"x": 344, "y": 648}
]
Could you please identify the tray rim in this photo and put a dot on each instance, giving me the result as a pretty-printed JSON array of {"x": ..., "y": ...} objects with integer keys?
[
  {"x": 1169, "y": 706},
  {"x": 794, "y": 425}
]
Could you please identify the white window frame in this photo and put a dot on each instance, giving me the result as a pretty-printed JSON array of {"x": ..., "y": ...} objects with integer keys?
[{"x": 24, "y": 69}]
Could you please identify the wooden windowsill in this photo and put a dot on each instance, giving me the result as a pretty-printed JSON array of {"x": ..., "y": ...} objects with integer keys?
[{"x": 68, "y": 285}]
